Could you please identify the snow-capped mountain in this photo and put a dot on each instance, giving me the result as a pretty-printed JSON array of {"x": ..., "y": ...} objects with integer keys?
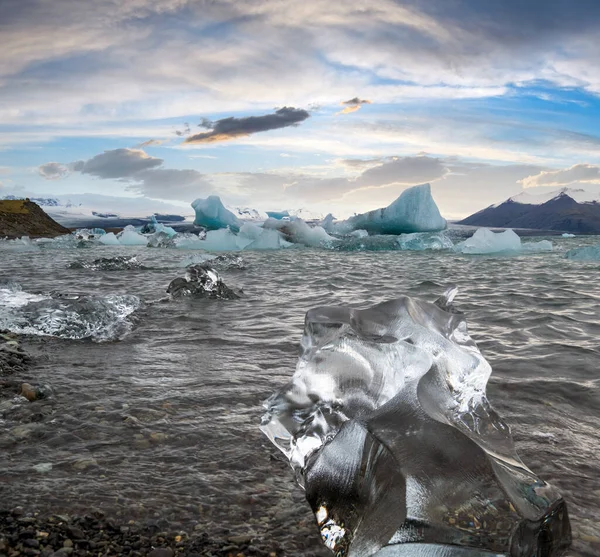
[{"x": 565, "y": 210}]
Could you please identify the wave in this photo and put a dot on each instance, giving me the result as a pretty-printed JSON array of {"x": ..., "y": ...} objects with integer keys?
[{"x": 74, "y": 317}]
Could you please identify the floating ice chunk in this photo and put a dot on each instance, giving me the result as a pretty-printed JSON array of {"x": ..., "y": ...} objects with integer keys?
[
  {"x": 586, "y": 253},
  {"x": 268, "y": 239},
  {"x": 420, "y": 241},
  {"x": 109, "y": 240},
  {"x": 130, "y": 237},
  {"x": 485, "y": 241},
  {"x": 536, "y": 247},
  {"x": 298, "y": 232},
  {"x": 20, "y": 244},
  {"x": 100, "y": 318},
  {"x": 12, "y": 296},
  {"x": 224, "y": 262},
  {"x": 358, "y": 233},
  {"x": 222, "y": 240},
  {"x": 387, "y": 424},
  {"x": 567, "y": 235},
  {"x": 89, "y": 233},
  {"x": 118, "y": 263},
  {"x": 277, "y": 215},
  {"x": 212, "y": 214},
  {"x": 414, "y": 211},
  {"x": 203, "y": 281},
  {"x": 327, "y": 223}
]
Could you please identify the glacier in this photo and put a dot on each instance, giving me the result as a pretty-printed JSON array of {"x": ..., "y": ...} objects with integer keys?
[
  {"x": 414, "y": 211},
  {"x": 213, "y": 215},
  {"x": 388, "y": 427}
]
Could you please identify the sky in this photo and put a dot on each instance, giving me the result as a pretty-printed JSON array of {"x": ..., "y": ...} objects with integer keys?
[{"x": 277, "y": 104}]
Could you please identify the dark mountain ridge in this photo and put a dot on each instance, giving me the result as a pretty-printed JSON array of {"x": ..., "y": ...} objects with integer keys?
[{"x": 561, "y": 213}]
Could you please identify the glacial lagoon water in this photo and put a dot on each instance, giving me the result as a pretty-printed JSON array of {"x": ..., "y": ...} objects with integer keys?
[{"x": 162, "y": 425}]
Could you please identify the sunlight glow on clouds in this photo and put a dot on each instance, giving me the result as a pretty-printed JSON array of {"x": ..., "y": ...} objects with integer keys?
[{"x": 501, "y": 95}]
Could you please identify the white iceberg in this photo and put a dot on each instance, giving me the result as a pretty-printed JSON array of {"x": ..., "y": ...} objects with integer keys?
[
  {"x": 129, "y": 236},
  {"x": 484, "y": 241},
  {"x": 109, "y": 240},
  {"x": 212, "y": 214},
  {"x": 414, "y": 211},
  {"x": 568, "y": 235}
]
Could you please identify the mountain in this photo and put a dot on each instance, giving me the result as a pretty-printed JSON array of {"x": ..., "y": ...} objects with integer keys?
[
  {"x": 22, "y": 217},
  {"x": 564, "y": 210}
]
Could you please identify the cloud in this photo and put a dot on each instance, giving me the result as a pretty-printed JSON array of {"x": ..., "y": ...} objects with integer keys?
[
  {"x": 53, "y": 170},
  {"x": 353, "y": 105},
  {"x": 117, "y": 163},
  {"x": 143, "y": 173},
  {"x": 151, "y": 142},
  {"x": 585, "y": 173},
  {"x": 406, "y": 171},
  {"x": 230, "y": 128}
]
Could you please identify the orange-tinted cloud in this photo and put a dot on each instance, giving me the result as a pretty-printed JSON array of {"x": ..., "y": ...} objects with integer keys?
[
  {"x": 231, "y": 128},
  {"x": 353, "y": 105}
]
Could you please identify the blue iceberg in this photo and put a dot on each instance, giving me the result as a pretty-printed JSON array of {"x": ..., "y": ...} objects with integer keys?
[
  {"x": 414, "y": 211},
  {"x": 586, "y": 253},
  {"x": 213, "y": 215}
]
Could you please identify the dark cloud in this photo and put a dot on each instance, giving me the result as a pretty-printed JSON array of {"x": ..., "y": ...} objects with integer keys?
[
  {"x": 230, "y": 128},
  {"x": 151, "y": 142},
  {"x": 117, "y": 163},
  {"x": 356, "y": 102},
  {"x": 353, "y": 105},
  {"x": 53, "y": 170}
]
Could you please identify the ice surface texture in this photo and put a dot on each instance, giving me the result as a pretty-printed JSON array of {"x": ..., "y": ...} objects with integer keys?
[
  {"x": 586, "y": 253},
  {"x": 485, "y": 241},
  {"x": 212, "y": 214},
  {"x": 201, "y": 281},
  {"x": 388, "y": 427},
  {"x": 414, "y": 211}
]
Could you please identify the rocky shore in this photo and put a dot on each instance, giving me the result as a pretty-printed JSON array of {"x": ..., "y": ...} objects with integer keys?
[
  {"x": 22, "y": 217},
  {"x": 96, "y": 534}
]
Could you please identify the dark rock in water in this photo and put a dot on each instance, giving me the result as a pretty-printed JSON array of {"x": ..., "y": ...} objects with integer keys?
[
  {"x": 12, "y": 357},
  {"x": 203, "y": 281},
  {"x": 118, "y": 263}
]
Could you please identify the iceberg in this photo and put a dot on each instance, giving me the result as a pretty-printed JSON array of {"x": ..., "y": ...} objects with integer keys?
[
  {"x": 212, "y": 214},
  {"x": 414, "y": 211},
  {"x": 484, "y": 241},
  {"x": 298, "y": 232},
  {"x": 568, "y": 235},
  {"x": 129, "y": 236},
  {"x": 387, "y": 425},
  {"x": 109, "y": 240},
  {"x": 586, "y": 253},
  {"x": 203, "y": 281},
  {"x": 277, "y": 215}
]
